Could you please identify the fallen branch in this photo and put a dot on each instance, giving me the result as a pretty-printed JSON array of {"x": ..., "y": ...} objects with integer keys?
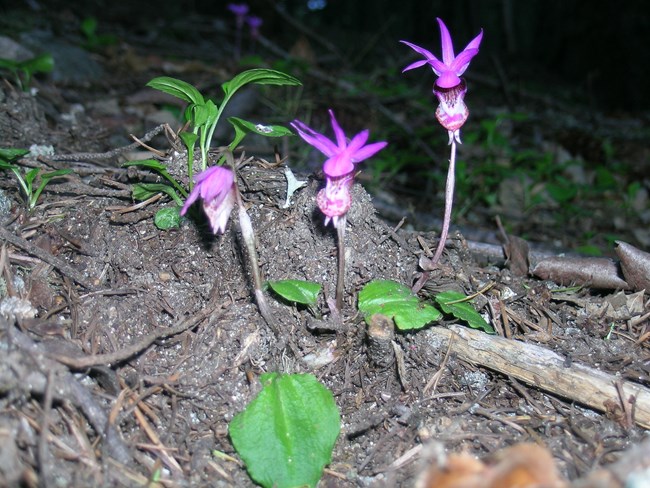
[{"x": 548, "y": 371}]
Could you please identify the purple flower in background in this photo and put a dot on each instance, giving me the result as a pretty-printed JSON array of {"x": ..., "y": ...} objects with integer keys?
[
  {"x": 254, "y": 22},
  {"x": 450, "y": 88},
  {"x": 216, "y": 187},
  {"x": 335, "y": 199},
  {"x": 240, "y": 10}
]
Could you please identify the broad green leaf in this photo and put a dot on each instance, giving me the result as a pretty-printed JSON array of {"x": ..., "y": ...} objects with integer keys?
[
  {"x": 9, "y": 155},
  {"x": 262, "y": 130},
  {"x": 40, "y": 64},
  {"x": 260, "y": 76},
  {"x": 287, "y": 433},
  {"x": 298, "y": 291},
  {"x": 395, "y": 300},
  {"x": 168, "y": 217},
  {"x": 177, "y": 88},
  {"x": 450, "y": 303},
  {"x": 147, "y": 163},
  {"x": 143, "y": 191}
]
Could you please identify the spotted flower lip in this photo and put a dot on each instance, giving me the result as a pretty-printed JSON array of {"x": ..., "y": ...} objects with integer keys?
[
  {"x": 450, "y": 69},
  {"x": 342, "y": 155},
  {"x": 216, "y": 187}
]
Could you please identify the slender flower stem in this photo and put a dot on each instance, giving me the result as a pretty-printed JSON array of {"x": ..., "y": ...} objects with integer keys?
[
  {"x": 449, "y": 202},
  {"x": 248, "y": 236},
  {"x": 340, "y": 278}
]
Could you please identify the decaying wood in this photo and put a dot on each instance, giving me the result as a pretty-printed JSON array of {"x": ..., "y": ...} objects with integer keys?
[
  {"x": 635, "y": 265},
  {"x": 549, "y": 371},
  {"x": 380, "y": 333}
]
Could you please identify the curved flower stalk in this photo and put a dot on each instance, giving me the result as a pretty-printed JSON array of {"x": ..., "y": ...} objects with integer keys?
[
  {"x": 217, "y": 188},
  {"x": 336, "y": 198},
  {"x": 450, "y": 89}
]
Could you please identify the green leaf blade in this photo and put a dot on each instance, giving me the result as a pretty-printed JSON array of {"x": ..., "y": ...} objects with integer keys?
[
  {"x": 450, "y": 303},
  {"x": 177, "y": 88},
  {"x": 297, "y": 291},
  {"x": 259, "y": 129},
  {"x": 287, "y": 433},
  {"x": 396, "y": 301},
  {"x": 259, "y": 76}
]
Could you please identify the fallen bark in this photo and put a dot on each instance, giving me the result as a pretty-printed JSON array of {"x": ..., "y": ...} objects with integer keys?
[{"x": 548, "y": 371}]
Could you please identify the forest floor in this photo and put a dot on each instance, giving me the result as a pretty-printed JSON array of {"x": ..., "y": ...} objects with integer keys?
[{"x": 128, "y": 349}]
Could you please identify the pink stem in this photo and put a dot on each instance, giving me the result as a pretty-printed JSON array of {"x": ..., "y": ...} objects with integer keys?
[{"x": 449, "y": 202}]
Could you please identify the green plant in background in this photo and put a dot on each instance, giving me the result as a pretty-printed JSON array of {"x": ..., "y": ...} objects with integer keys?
[
  {"x": 28, "y": 180},
  {"x": 287, "y": 433},
  {"x": 93, "y": 39},
  {"x": 24, "y": 71}
]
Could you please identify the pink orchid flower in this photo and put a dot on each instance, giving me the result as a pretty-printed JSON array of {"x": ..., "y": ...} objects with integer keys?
[
  {"x": 450, "y": 88},
  {"x": 335, "y": 199},
  {"x": 240, "y": 10},
  {"x": 216, "y": 187},
  {"x": 451, "y": 67},
  {"x": 254, "y": 22}
]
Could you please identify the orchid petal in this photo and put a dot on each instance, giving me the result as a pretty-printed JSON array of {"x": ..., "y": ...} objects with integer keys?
[
  {"x": 358, "y": 141},
  {"x": 447, "y": 45},
  {"x": 474, "y": 43},
  {"x": 420, "y": 50},
  {"x": 461, "y": 62},
  {"x": 338, "y": 165},
  {"x": 417, "y": 64},
  {"x": 368, "y": 151},
  {"x": 194, "y": 195},
  {"x": 319, "y": 141},
  {"x": 338, "y": 132}
]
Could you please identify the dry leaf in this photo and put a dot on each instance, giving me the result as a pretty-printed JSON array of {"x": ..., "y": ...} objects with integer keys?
[
  {"x": 592, "y": 272},
  {"x": 635, "y": 265},
  {"x": 524, "y": 465}
]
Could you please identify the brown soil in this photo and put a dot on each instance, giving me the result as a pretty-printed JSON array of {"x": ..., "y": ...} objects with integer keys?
[{"x": 138, "y": 346}]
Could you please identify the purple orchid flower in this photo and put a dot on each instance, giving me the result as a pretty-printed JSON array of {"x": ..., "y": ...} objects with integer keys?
[
  {"x": 335, "y": 199},
  {"x": 216, "y": 187},
  {"x": 254, "y": 22},
  {"x": 450, "y": 88},
  {"x": 240, "y": 10}
]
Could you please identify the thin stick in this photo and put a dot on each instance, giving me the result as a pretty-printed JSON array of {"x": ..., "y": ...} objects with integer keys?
[
  {"x": 546, "y": 370},
  {"x": 340, "y": 278}
]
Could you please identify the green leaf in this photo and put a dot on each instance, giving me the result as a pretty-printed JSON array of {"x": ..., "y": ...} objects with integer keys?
[
  {"x": 298, "y": 291},
  {"x": 189, "y": 138},
  {"x": 9, "y": 155},
  {"x": 40, "y": 64},
  {"x": 287, "y": 433},
  {"x": 395, "y": 300},
  {"x": 147, "y": 163},
  {"x": 450, "y": 303},
  {"x": 262, "y": 130},
  {"x": 31, "y": 175},
  {"x": 168, "y": 218},
  {"x": 55, "y": 174},
  {"x": 177, "y": 88},
  {"x": 260, "y": 76},
  {"x": 143, "y": 191}
]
